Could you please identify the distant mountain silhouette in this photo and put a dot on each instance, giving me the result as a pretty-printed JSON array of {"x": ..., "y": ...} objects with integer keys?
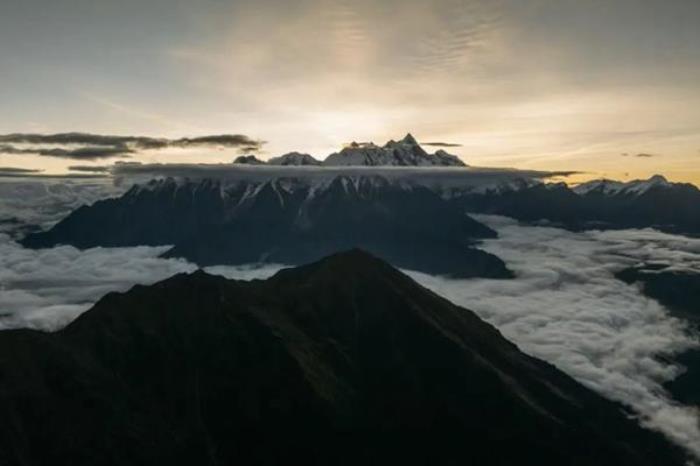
[
  {"x": 670, "y": 207},
  {"x": 248, "y": 160},
  {"x": 294, "y": 158},
  {"x": 288, "y": 221},
  {"x": 345, "y": 361}
]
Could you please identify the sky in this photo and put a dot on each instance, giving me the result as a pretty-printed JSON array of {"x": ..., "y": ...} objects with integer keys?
[{"x": 608, "y": 88}]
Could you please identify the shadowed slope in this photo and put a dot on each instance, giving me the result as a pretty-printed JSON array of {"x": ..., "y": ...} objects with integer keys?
[
  {"x": 344, "y": 361},
  {"x": 287, "y": 221}
]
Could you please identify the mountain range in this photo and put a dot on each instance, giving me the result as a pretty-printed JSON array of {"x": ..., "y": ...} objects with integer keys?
[
  {"x": 404, "y": 153},
  {"x": 343, "y": 361},
  {"x": 412, "y": 223},
  {"x": 286, "y": 221},
  {"x": 600, "y": 204}
]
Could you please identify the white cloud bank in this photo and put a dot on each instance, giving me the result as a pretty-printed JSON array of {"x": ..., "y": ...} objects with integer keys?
[
  {"x": 566, "y": 307},
  {"x": 46, "y": 289},
  {"x": 44, "y": 202}
]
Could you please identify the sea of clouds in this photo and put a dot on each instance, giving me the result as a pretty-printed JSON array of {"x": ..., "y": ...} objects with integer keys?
[
  {"x": 46, "y": 289},
  {"x": 564, "y": 306}
]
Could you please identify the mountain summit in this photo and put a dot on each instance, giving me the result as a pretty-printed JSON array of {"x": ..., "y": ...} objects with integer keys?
[
  {"x": 344, "y": 361},
  {"x": 295, "y": 159},
  {"x": 409, "y": 140},
  {"x": 406, "y": 152}
]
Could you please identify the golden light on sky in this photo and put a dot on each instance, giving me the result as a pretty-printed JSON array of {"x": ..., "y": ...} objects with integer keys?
[{"x": 537, "y": 84}]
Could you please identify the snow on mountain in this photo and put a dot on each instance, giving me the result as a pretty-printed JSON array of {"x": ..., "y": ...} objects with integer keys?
[
  {"x": 609, "y": 187},
  {"x": 602, "y": 186},
  {"x": 489, "y": 187},
  {"x": 406, "y": 152},
  {"x": 243, "y": 189},
  {"x": 642, "y": 186},
  {"x": 444, "y": 158},
  {"x": 293, "y": 158}
]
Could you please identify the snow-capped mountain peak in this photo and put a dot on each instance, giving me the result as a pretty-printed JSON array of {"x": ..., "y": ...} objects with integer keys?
[
  {"x": 409, "y": 140},
  {"x": 609, "y": 187},
  {"x": 642, "y": 186},
  {"x": 294, "y": 158},
  {"x": 406, "y": 152}
]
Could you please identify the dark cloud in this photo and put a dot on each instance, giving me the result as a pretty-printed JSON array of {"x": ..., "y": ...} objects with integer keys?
[
  {"x": 87, "y": 153},
  {"x": 557, "y": 174},
  {"x": 643, "y": 155},
  {"x": 84, "y": 146},
  {"x": 441, "y": 144},
  {"x": 13, "y": 172},
  {"x": 223, "y": 140},
  {"x": 80, "y": 153},
  {"x": 39, "y": 174},
  {"x": 85, "y": 139},
  {"x": 17, "y": 171},
  {"x": 90, "y": 168},
  {"x": 248, "y": 149}
]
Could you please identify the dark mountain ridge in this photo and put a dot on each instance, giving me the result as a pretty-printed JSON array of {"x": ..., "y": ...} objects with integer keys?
[
  {"x": 344, "y": 361},
  {"x": 653, "y": 203},
  {"x": 287, "y": 221}
]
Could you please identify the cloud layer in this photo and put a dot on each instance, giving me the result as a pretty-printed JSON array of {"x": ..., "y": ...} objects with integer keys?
[
  {"x": 47, "y": 289},
  {"x": 441, "y": 144},
  {"x": 42, "y": 202},
  {"x": 566, "y": 307},
  {"x": 90, "y": 168},
  {"x": 15, "y": 171},
  {"x": 85, "y": 146}
]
